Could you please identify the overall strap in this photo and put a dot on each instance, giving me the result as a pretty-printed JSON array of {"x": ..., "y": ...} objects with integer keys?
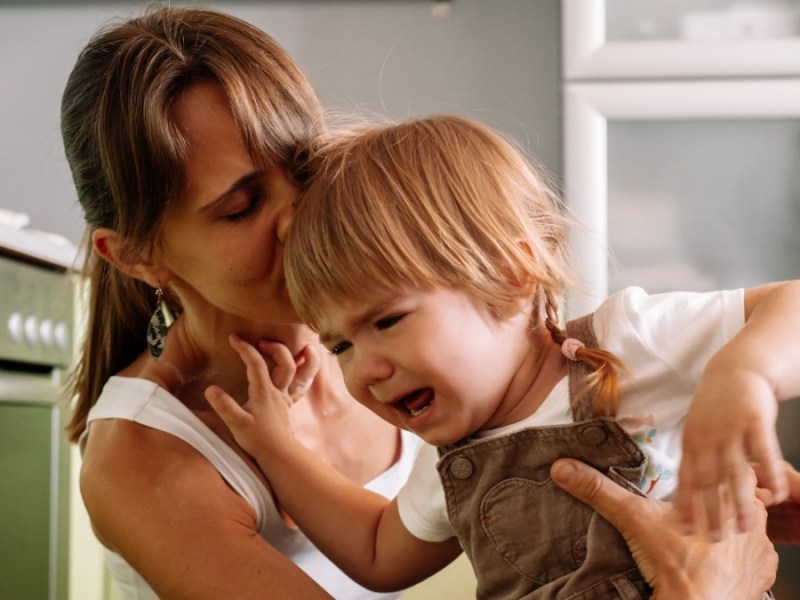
[{"x": 580, "y": 398}]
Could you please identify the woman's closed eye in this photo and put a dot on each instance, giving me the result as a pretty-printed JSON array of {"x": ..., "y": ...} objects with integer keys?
[{"x": 251, "y": 200}]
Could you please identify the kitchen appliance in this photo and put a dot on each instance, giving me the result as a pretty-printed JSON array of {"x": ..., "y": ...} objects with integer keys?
[{"x": 37, "y": 317}]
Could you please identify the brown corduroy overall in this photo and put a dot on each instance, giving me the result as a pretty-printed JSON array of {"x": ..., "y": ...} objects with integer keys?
[{"x": 525, "y": 537}]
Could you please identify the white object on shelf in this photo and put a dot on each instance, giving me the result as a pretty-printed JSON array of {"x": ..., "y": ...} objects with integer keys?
[
  {"x": 12, "y": 219},
  {"x": 739, "y": 22}
]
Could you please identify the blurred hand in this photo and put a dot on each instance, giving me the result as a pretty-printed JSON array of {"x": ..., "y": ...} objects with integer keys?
[{"x": 729, "y": 432}]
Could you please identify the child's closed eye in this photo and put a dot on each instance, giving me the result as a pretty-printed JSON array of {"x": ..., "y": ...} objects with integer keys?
[{"x": 388, "y": 322}]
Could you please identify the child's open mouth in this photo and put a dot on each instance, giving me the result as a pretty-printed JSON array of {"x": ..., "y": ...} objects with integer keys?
[{"x": 416, "y": 402}]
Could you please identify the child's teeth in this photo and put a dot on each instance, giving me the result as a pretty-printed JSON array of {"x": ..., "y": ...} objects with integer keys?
[{"x": 415, "y": 411}]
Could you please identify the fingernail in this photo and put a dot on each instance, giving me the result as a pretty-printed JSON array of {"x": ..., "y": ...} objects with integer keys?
[{"x": 564, "y": 472}]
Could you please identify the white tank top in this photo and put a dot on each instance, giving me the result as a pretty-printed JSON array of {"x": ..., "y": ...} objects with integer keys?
[{"x": 146, "y": 403}]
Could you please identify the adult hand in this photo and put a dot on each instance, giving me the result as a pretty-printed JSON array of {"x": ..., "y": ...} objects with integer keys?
[{"x": 741, "y": 567}]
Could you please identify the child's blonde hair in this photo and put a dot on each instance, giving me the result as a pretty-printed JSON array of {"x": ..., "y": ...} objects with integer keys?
[{"x": 435, "y": 202}]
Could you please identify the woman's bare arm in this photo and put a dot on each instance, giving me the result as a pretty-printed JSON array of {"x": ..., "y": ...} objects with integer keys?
[{"x": 168, "y": 512}]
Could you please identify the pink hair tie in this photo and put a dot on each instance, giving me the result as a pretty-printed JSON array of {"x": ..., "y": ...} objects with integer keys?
[{"x": 570, "y": 347}]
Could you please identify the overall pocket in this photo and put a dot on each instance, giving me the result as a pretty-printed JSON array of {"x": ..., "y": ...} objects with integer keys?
[{"x": 540, "y": 544}]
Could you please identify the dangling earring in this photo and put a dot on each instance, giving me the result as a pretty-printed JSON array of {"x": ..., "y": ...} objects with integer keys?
[{"x": 158, "y": 325}]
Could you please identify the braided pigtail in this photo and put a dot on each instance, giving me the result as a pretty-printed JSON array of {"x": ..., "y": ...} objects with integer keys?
[{"x": 606, "y": 367}]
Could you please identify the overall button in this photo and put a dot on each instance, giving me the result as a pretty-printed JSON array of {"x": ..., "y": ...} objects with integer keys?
[
  {"x": 461, "y": 468},
  {"x": 594, "y": 434}
]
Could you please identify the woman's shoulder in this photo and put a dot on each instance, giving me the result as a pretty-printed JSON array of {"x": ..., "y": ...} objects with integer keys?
[
  {"x": 134, "y": 471},
  {"x": 124, "y": 450}
]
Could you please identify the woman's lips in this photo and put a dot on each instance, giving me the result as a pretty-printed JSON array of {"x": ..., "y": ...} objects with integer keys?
[{"x": 416, "y": 402}]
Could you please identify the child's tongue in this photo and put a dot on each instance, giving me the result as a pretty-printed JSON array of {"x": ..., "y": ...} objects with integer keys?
[{"x": 417, "y": 401}]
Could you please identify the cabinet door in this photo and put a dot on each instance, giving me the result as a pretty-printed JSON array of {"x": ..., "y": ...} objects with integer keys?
[
  {"x": 690, "y": 185},
  {"x": 686, "y": 185},
  {"x": 33, "y": 502}
]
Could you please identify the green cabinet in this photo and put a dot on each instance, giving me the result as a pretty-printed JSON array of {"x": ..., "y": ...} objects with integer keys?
[{"x": 34, "y": 502}]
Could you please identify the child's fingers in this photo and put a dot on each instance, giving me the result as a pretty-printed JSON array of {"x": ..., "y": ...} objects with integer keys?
[
  {"x": 308, "y": 364},
  {"x": 741, "y": 486},
  {"x": 713, "y": 498},
  {"x": 258, "y": 374},
  {"x": 698, "y": 484},
  {"x": 226, "y": 407},
  {"x": 283, "y": 370},
  {"x": 261, "y": 379},
  {"x": 770, "y": 468}
]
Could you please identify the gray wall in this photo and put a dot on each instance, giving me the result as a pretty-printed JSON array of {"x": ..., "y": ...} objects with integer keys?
[{"x": 497, "y": 61}]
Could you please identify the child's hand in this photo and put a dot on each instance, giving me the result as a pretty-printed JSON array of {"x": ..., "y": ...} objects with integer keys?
[
  {"x": 307, "y": 365},
  {"x": 263, "y": 421},
  {"x": 730, "y": 424}
]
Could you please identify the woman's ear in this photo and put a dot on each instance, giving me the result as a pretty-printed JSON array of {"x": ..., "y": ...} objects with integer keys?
[{"x": 115, "y": 250}]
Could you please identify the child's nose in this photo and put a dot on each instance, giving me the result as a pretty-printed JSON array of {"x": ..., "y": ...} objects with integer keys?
[{"x": 371, "y": 368}]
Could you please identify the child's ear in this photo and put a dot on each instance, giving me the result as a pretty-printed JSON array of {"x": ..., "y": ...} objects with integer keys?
[{"x": 117, "y": 252}]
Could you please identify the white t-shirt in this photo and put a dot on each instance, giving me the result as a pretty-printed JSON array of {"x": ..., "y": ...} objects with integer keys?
[
  {"x": 146, "y": 403},
  {"x": 664, "y": 342}
]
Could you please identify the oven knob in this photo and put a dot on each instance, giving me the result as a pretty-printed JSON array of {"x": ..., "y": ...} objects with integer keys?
[
  {"x": 61, "y": 334},
  {"x": 46, "y": 332},
  {"x": 31, "y": 329},
  {"x": 15, "y": 326}
]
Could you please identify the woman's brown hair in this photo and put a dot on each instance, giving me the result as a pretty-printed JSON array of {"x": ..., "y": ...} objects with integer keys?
[{"x": 127, "y": 156}]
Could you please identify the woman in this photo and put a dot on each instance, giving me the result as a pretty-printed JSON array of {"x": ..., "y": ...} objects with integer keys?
[
  {"x": 180, "y": 128},
  {"x": 189, "y": 195}
]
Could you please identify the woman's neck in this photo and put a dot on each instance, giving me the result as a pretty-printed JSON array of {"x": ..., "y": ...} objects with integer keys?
[{"x": 200, "y": 354}]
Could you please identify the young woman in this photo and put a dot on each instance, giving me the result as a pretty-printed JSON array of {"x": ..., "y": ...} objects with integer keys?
[{"x": 180, "y": 128}]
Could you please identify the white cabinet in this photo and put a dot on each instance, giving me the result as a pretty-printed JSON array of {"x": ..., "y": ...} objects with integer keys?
[
  {"x": 682, "y": 154},
  {"x": 682, "y": 184}
]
